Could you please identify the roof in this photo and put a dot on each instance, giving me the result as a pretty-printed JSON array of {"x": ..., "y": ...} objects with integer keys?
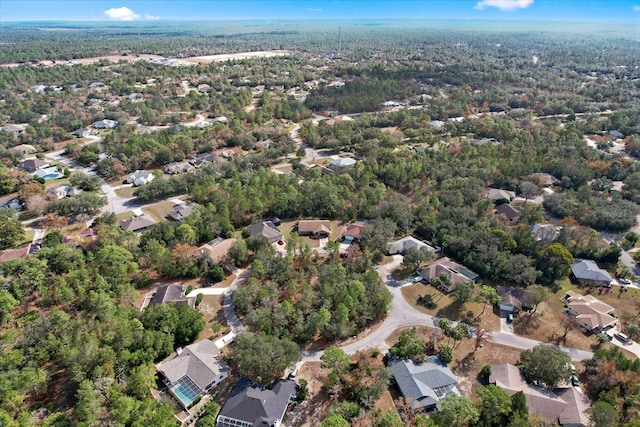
[
  {"x": 198, "y": 362},
  {"x": 401, "y": 245},
  {"x": 25, "y": 148},
  {"x": 564, "y": 405},
  {"x": 545, "y": 232},
  {"x": 590, "y": 310},
  {"x": 32, "y": 164},
  {"x": 137, "y": 223},
  {"x": 496, "y": 194},
  {"x": 342, "y": 162},
  {"x": 266, "y": 229},
  {"x": 171, "y": 293},
  {"x": 217, "y": 249},
  {"x": 586, "y": 269},
  {"x": 11, "y": 254},
  {"x": 181, "y": 211},
  {"x": 456, "y": 272},
  {"x": 257, "y": 405},
  {"x": 544, "y": 179},
  {"x": 511, "y": 212},
  {"x": 354, "y": 229},
  {"x": 424, "y": 384},
  {"x": 515, "y": 297},
  {"x": 314, "y": 226}
]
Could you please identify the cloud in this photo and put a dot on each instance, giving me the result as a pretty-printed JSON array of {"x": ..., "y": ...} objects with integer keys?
[
  {"x": 310, "y": 9},
  {"x": 121, "y": 14},
  {"x": 504, "y": 4},
  {"x": 636, "y": 8},
  {"x": 151, "y": 17}
]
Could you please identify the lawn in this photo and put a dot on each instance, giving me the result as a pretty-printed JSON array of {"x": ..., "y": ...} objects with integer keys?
[
  {"x": 28, "y": 237},
  {"x": 125, "y": 192},
  {"x": 159, "y": 211},
  {"x": 124, "y": 215},
  {"x": 445, "y": 308},
  {"x": 213, "y": 314}
]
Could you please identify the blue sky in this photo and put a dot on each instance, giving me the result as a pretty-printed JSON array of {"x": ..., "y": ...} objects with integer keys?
[{"x": 147, "y": 10}]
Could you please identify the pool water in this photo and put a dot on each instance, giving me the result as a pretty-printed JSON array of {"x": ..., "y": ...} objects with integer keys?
[{"x": 50, "y": 176}]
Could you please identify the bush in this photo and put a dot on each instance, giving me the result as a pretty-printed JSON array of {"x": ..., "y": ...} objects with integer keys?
[
  {"x": 303, "y": 390},
  {"x": 216, "y": 273},
  {"x": 446, "y": 354},
  {"x": 427, "y": 302},
  {"x": 485, "y": 372}
]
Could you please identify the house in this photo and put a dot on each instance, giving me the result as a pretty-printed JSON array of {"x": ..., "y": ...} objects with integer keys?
[
  {"x": 436, "y": 123},
  {"x": 423, "y": 385},
  {"x": 105, "y": 124},
  {"x": 11, "y": 254},
  {"x": 181, "y": 211},
  {"x": 545, "y": 233},
  {"x": 496, "y": 195},
  {"x": 544, "y": 179},
  {"x": 455, "y": 273},
  {"x": 342, "y": 162},
  {"x": 63, "y": 191},
  {"x": 137, "y": 223},
  {"x": 354, "y": 230},
  {"x": 221, "y": 119},
  {"x": 25, "y": 148},
  {"x": 591, "y": 314},
  {"x": 177, "y": 167},
  {"x": 193, "y": 371},
  {"x": 13, "y": 129},
  {"x": 252, "y": 405},
  {"x": 317, "y": 228},
  {"x": 266, "y": 229},
  {"x": 587, "y": 271},
  {"x": 32, "y": 165},
  {"x": 566, "y": 406},
  {"x": 139, "y": 178},
  {"x": 216, "y": 250},
  {"x": 615, "y": 134},
  {"x": 82, "y": 132},
  {"x": 509, "y": 211},
  {"x": 513, "y": 299},
  {"x": 408, "y": 242},
  {"x": 172, "y": 294},
  {"x": 204, "y": 158}
]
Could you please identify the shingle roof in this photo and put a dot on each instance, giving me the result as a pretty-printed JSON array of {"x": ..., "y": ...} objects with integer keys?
[
  {"x": 456, "y": 272},
  {"x": 197, "y": 361},
  {"x": 401, "y": 245},
  {"x": 314, "y": 226},
  {"x": 266, "y": 229},
  {"x": 180, "y": 212},
  {"x": 217, "y": 249},
  {"x": 496, "y": 194},
  {"x": 257, "y": 405},
  {"x": 137, "y": 223},
  {"x": 586, "y": 269},
  {"x": 171, "y": 294}
]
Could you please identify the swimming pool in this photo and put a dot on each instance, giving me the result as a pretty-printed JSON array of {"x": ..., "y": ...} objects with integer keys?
[
  {"x": 50, "y": 176},
  {"x": 186, "y": 390}
]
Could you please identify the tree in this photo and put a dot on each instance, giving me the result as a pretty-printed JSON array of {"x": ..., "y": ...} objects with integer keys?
[
  {"x": 568, "y": 322},
  {"x": 537, "y": 294},
  {"x": 462, "y": 293},
  {"x": 413, "y": 257},
  {"x": 335, "y": 420},
  {"x": 446, "y": 354},
  {"x": 11, "y": 233},
  {"x": 602, "y": 414},
  {"x": 239, "y": 253},
  {"x": 409, "y": 345},
  {"x": 488, "y": 296},
  {"x": 269, "y": 363},
  {"x": 336, "y": 359},
  {"x": 457, "y": 411},
  {"x": 495, "y": 405},
  {"x": 546, "y": 363}
]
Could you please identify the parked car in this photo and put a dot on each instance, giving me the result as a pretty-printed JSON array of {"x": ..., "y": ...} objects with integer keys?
[
  {"x": 575, "y": 381},
  {"x": 510, "y": 318},
  {"x": 622, "y": 337},
  {"x": 624, "y": 281}
]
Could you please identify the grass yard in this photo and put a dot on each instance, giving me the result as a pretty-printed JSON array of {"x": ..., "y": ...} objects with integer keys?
[
  {"x": 28, "y": 237},
  {"x": 213, "y": 314},
  {"x": 124, "y": 215},
  {"x": 159, "y": 211},
  {"x": 445, "y": 308},
  {"x": 285, "y": 168},
  {"x": 125, "y": 192}
]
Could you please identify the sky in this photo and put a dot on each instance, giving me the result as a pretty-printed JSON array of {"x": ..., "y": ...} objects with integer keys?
[{"x": 149, "y": 10}]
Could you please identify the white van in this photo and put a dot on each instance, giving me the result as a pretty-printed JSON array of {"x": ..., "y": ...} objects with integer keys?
[{"x": 622, "y": 337}]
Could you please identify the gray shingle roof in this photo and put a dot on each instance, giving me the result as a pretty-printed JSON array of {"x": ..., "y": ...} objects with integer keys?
[
  {"x": 266, "y": 229},
  {"x": 257, "y": 405},
  {"x": 172, "y": 294},
  {"x": 198, "y": 362},
  {"x": 586, "y": 269}
]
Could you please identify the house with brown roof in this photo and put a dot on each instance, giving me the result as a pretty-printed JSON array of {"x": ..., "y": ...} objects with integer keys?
[
  {"x": 591, "y": 314},
  {"x": 509, "y": 211},
  {"x": 25, "y": 148},
  {"x": 31, "y": 165},
  {"x": 317, "y": 228},
  {"x": 446, "y": 267},
  {"x": 354, "y": 230},
  {"x": 565, "y": 406},
  {"x": 137, "y": 223},
  {"x": 11, "y": 254},
  {"x": 216, "y": 250},
  {"x": 172, "y": 294}
]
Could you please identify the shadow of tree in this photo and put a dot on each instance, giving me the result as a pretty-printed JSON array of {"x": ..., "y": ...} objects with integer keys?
[
  {"x": 523, "y": 324},
  {"x": 451, "y": 312}
]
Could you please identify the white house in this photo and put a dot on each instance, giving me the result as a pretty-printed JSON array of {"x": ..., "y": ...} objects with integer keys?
[{"x": 139, "y": 178}]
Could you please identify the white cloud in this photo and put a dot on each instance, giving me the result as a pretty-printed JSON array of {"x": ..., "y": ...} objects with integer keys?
[
  {"x": 121, "y": 14},
  {"x": 151, "y": 17},
  {"x": 504, "y": 4},
  {"x": 310, "y": 9},
  {"x": 636, "y": 8}
]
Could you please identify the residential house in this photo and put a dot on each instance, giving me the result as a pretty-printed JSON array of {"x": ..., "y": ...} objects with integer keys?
[
  {"x": 172, "y": 294},
  {"x": 544, "y": 179},
  {"x": 408, "y": 242},
  {"x": 353, "y": 230},
  {"x": 82, "y": 132},
  {"x": 25, "y": 148},
  {"x": 566, "y": 406},
  {"x": 342, "y": 162},
  {"x": 615, "y": 134},
  {"x": 181, "y": 211},
  {"x": 266, "y": 229},
  {"x": 513, "y": 299},
  {"x": 139, "y": 178},
  {"x": 193, "y": 371},
  {"x": 105, "y": 124},
  {"x": 177, "y": 167},
  {"x": 137, "y": 223},
  {"x": 317, "y": 228},
  {"x": 510, "y": 212},
  {"x": 14, "y": 129},
  {"x": 545, "y": 233},
  {"x": 221, "y": 119},
  {"x": 204, "y": 158},
  {"x": 454, "y": 272},
  {"x": 216, "y": 250},
  {"x": 253, "y": 406},
  {"x": 591, "y": 314},
  {"x": 423, "y": 385},
  {"x": 587, "y": 271},
  {"x": 32, "y": 165},
  {"x": 496, "y": 195},
  {"x": 63, "y": 191},
  {"x": 11, "y": 254}
]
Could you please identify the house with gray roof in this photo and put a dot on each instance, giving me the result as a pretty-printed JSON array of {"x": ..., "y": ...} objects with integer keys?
[
  {"x": 82, "y": 132},
  {"x": 342, "y": 162},
  {"x": 172, "y": 294},
  {"x": 193, "y": 371},
  {"x": 105, "y": 124},
  {"x": 423, "y": 385},
  {"x": 181, "y": 211},
  {"x": 408, "y": 242},
  {"x": 252, "y": 406},
  {"x": 139, "y": 178},
  {"x": 137, "y": 223},
  {"x": 31, "y": 165},
  {"x": 266, "y": 229},
  {"x": 497, "y": 194},
  {"x": 587, "y": 271}
]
